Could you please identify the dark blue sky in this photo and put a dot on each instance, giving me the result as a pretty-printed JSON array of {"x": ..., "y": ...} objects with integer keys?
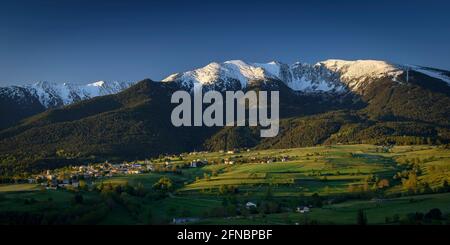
[{"x": 80, "y": 40}]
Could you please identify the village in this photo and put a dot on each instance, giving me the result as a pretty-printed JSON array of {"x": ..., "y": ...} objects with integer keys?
[{"x": 73, "y": 176}]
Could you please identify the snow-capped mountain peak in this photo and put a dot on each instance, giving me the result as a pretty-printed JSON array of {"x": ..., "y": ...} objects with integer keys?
[
  {"x": 273, "y": 68},
  {"x": 327, "y": 76},
  {"x": 359, "y": 73},
  {"x": 226, "y": 72},
  {"x": 51, "y": 94},
  {"x": 97, "y": 84}
]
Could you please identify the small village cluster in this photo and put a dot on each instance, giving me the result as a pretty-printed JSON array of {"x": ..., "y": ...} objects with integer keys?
[{"x": 70, "y": 177}]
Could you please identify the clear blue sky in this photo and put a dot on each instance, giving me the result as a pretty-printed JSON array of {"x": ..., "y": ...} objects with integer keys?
[{"x": 81, "y": 40}]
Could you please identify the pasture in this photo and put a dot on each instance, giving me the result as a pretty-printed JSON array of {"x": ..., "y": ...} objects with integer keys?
[
  {"x": 346, "y": 177},
  {"x": 324, "y": 170}
]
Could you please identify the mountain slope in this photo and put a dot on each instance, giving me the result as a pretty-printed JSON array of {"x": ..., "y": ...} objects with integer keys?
[
  {"x": 130, "y": 125},
  {"x": 375, "y": 103},
  {"x": 19, "y": 102}
]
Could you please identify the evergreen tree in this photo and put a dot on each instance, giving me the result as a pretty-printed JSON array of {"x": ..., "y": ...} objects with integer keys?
[{"x": 361, "y": 218}]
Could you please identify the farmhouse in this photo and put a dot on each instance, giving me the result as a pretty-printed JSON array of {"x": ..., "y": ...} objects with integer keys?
[
  {"x": 229, "y": 162},
  {"x": 75, "y": 184},
  {"x": 250, "y": 205},
  {"x": 303, "y": 209},
  {"x": 133, "y": 171},
  {"x": 198, "y": 163}
]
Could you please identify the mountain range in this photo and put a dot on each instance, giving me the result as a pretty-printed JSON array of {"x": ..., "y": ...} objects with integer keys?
[
  {"x": 330, "y": 76},
  {"x": 333, "y": 101},
  {"x": 18, "y": 102}
]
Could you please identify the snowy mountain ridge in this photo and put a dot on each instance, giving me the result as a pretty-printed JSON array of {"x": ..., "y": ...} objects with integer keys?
[
  {"x": 327, "y": 76},
  {"x": 330, "y": 76},
  {"x": 51, "y": 94}
]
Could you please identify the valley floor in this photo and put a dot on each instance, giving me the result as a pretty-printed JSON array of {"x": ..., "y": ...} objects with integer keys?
[{"x": 339, "y": 184}]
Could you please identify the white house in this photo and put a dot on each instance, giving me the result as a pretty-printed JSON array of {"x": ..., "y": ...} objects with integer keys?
[
  {"x": 250, "y": 205},
  {"x": 303, "y": 209},
  {"x": 229, "y": 162}
]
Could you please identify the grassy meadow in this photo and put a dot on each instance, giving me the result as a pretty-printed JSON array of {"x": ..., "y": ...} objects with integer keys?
[{"x": 388, "y": 184}]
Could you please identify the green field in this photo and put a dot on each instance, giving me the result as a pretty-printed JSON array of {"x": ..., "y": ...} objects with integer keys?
[
  {"x": 345, "y": 213},
  {"x": 19, "y": 188},
  {"x": 336, "y": 182},
  {"x": 323, "y": 170}
]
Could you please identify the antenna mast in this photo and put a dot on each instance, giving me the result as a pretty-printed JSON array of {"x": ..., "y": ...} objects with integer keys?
[{"x": 407, "y": 74}]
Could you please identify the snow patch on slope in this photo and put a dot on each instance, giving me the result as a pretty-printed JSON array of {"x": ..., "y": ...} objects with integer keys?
[
  {"x": 312, "y": 78},
  {"x": 432, "y": 73},
  {"x": 273, "y": 68},
  {"x": 356, "y": 73},
  {"x": 228, "y": 71}
]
